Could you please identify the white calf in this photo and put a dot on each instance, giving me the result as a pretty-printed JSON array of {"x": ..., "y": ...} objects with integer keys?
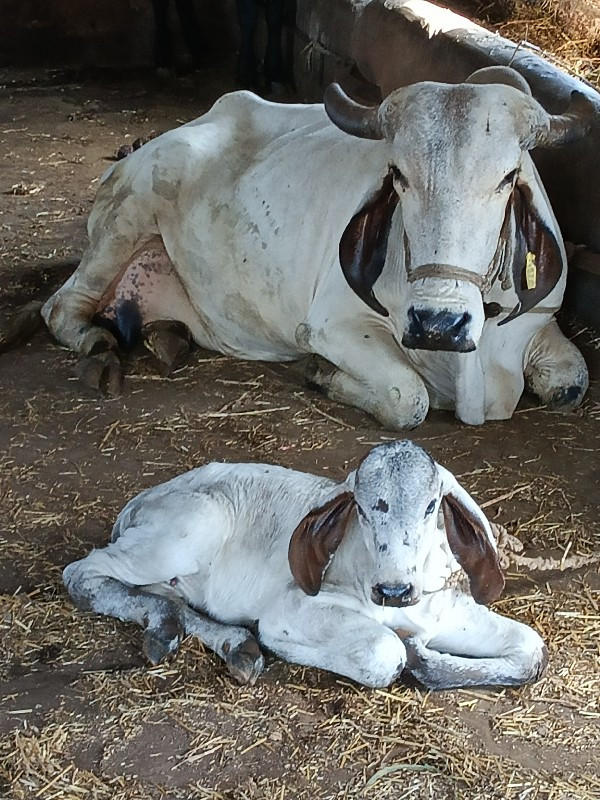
[{"x": 350, "y": 577}]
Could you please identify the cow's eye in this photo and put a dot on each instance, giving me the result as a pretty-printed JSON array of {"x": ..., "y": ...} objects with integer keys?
[
  {"x": 399, "y": 177},
  {"x": 430, "y": 508},
  {"x": 508, "y": 180}
]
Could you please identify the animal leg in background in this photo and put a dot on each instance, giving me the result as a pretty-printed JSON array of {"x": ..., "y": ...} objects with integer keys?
[
  {"x": 555, "y": 370},
  {"x": 490, "y": 649},
  {"x": 368, "y": 373},
  {"x": 318, "y": 632},
  {"x": 273, "y": 66},
  {"x": 165, "y": 619},
  {"x": 247, "y": 15},
  {"x": 115, "y": 236}
]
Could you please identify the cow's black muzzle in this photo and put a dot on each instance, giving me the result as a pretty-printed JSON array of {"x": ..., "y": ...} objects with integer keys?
[{"x": 438, "y": 330}]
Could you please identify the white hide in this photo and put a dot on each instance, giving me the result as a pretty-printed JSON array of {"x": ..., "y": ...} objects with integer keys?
[
  {"x": 251, "y": 200},
  {"x": 209, "y": 549}
]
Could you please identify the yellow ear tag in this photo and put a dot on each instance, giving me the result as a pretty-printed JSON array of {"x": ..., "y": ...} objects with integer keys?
[{"x": 530, "y": 271}]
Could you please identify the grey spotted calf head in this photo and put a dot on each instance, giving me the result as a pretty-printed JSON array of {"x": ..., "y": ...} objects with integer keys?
[
  {"x": 398, "y": 491},
  {"x": 471, "y": 209}
]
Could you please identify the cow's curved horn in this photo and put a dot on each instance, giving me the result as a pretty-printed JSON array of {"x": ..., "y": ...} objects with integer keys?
[
  {"x": 350, "y": 116},
  {"x": 500, "y": 74},
  {"x": 571, "y": 126}
]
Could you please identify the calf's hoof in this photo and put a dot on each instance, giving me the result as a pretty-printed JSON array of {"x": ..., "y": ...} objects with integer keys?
[
  {"x": 161, "y": 642},
  {"x": 244, "y": 662},
  {"x": 101, "y": 372}
]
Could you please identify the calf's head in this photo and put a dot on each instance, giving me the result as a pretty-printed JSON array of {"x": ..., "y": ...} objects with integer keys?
[
  {"x": 394, "y": 504},
  {"x": 459, "y": 175}
]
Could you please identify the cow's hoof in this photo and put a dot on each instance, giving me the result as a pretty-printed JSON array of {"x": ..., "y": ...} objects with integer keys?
[
  {"x": 169, "y": 342},
  {"x": 318, "y": 374},
  {"x": 567, "y": 398},
  {"x": 245, "y": 662},
  {"x": 101, "y": 372},
  {"x": 160, "y": 643}
]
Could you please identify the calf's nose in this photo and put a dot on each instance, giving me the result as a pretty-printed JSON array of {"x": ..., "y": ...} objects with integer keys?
[
  {"x": 397, "y": 595},
  {"x": 438, "y": 330}
]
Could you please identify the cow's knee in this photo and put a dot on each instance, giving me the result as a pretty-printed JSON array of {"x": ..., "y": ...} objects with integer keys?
[
  {"x": 529, "y": 652},
  {"x": 401, "y": 406},
  {"x": 386, "y": 660},
  {"x": 404, "y": 406}
]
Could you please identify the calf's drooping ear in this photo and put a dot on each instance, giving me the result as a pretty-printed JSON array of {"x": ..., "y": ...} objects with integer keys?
[
  {"x": 315, "y": 540},
  {"x": 363, "y": 245},
  {"x": 538, "y": 263},
  {"x": 471, "y": 540}
]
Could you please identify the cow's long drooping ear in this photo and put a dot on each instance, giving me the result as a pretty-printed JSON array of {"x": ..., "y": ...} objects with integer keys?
[
  {"x": 471, "y": 540},
  {"x": 363, "y": 245},
  {"x": 538, "y": 261},
  {"x": 316, "y": 539}
]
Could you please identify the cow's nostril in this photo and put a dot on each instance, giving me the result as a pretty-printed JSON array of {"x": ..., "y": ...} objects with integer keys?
[
  {"x": 393, "y": 594},
  {"x": 414, "y": 318},
  {"x": 459, "y": 322}
]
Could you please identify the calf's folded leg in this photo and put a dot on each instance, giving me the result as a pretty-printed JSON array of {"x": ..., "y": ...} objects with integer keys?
[
  {"x": 474, "y": 646},
  {"x": 319, "y": 633},
  {"x": 165, "y": 619}
]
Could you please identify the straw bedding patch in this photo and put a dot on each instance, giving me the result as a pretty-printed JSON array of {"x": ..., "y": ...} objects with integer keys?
[{"x": 549, "y": 27}]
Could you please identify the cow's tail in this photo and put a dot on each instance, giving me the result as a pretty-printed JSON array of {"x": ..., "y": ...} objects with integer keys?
[{"x": 20, "y": 326}]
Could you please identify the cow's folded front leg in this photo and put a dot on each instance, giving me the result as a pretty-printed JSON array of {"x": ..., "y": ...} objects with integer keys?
[
  {"x": 555, "y": 370},
  {"x": 437, "y": 670},
  {"x": 397, "y": 398}
]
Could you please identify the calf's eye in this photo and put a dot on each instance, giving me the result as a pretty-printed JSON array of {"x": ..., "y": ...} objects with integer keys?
[{"x": 430, "y": 508}]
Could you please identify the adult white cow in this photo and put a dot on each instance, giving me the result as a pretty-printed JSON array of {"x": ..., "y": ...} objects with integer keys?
[{"x": 253, "y": 225}]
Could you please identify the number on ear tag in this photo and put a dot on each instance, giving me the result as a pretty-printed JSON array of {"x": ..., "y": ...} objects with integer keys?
[{"x": 530, "y": 271}]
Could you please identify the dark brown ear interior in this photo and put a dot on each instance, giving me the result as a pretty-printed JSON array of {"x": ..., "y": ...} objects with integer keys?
[
  {"x": 534, "y": 237},
  {"x": 316, "y": 539},
  {"x": 473, "y": 551},
  {"x": 363, "y": 245}
]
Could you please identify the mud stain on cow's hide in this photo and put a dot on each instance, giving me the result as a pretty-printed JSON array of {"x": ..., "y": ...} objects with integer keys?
[
  {"x": 241, "y": 311},
  {"x": 167, "y": 189}
]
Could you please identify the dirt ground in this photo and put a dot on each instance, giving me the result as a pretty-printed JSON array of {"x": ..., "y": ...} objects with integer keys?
[{"x": 81, "y": 714}]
